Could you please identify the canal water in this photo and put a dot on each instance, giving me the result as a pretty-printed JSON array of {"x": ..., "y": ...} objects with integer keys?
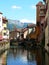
[{"x": 23, "y": 56}]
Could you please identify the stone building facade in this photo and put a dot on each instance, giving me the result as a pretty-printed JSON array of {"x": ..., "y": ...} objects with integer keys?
[{"x": 47, "y": 26}]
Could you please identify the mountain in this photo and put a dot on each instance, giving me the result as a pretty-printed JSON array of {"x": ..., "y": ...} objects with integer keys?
[{"x": 16, "y": 24}]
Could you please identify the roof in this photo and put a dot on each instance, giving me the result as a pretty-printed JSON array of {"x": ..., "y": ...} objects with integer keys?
[
  {"x": 16, "y": 30},
  {"x": 25, "y": 29},
  {"x": 31, "y": 25},
  {"x": 4, "y": 19},
  {"x": 1, "y": 13},
  {"x": 39, "y": 3}
]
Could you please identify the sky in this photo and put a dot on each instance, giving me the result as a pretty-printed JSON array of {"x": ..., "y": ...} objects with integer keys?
[{"x": 22, "y": 10}]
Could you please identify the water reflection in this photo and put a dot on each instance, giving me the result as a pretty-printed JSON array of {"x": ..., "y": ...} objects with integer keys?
[
  {"x": 46, "y": 59},
  {"x": 21, "y": 56}
]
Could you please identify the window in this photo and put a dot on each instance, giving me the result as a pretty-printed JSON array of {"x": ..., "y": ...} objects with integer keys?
[
  {"x": 41, "y": 12},
  {"x": 31, "y": 30},
  {"x": 4, "y": 33},
  {"x": 38, "y": 23},
  {"x": 34, "y": 29},
  {"x": 0, "y": 19},
  {"x": 40, "y": 7},
  {"x": 5, "y": 28}
]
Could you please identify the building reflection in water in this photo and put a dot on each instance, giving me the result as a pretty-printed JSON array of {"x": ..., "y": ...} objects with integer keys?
[{"x": 20, "y": 56}]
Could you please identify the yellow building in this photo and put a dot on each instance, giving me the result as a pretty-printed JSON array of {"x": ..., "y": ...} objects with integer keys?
[{"x": 5, "y": 31}]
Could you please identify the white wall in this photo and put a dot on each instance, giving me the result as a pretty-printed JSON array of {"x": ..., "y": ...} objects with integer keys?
[
  {"x": 17, "y": 34},
  {"x": 25, "y": 33},
  {"x": 7, "y": 35},
  {"x": 0, "y": 22}
]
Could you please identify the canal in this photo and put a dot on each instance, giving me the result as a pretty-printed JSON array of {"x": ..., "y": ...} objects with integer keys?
[{"x": 25, "y": 56}]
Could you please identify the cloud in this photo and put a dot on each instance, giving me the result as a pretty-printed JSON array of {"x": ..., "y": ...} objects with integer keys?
[
  {"x": 27, "y": 21},
  {"x": 33, "y": 7},
  {"x": 16, "y": 7}
]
